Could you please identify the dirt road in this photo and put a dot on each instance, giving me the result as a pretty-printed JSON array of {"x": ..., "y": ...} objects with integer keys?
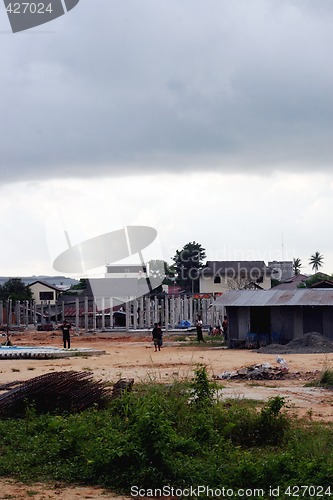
[{"x": 134, "y": 357}]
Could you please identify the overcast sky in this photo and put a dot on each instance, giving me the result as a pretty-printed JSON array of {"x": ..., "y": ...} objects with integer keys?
[{"x": 209, "y": 120}]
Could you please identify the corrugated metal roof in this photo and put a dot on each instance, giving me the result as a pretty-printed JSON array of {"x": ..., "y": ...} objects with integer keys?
[
  {"x": 299, "y": 297},
  {"x": 292, "y": 283}
]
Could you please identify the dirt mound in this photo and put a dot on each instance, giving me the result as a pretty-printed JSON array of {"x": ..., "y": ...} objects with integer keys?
[{"x": 309, "y": 343}]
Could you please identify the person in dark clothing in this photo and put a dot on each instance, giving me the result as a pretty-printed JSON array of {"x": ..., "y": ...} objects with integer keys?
[
  {"x": 66, "y": 328},
  {"x": 198, "y": 326},
  {"x": 157, "y": 336},
  {"x": 225, "y": 328}
]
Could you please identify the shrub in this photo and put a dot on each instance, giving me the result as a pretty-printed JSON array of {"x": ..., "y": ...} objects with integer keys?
[
  {"x": 326, "y": 378},
  {"x": 160, "y": 435},
  {"x": 202, "y": 392}
]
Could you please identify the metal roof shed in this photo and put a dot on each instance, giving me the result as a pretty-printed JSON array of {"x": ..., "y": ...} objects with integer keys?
[{"x": 286, "y": 314}]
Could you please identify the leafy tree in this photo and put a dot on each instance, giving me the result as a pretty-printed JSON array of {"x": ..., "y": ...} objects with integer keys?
[
  {"x": 169, "y": 272},
  {"x": 77, "y": 289},
  {"x": 81, "y": 285},
  {"x": 297, "y": 264},
  {"x": 316, "y": 261},
  {"x": 15, "y": 290},
  {"x": 316, "y": 278},
  {"x": 188, "y": 263}
]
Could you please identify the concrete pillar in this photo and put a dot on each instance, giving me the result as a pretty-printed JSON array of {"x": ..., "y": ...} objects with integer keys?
[
  {"x": 187, "y": 309},
  {"x": 17, "y": 313},
  {"x": 111, "y": 312},
  {"x": 156, "y": 318},
  {"x": 141, "y": 313},
  {"x": 191, "y": 311},
  {"x": 34, "y": 313},
  {"x": 94, "y": 317},
  {"x": 103, "y": 312},
  {"x": 56, "y": 313},
  {"x": 166, "y": 313},
  {"x": 127, "y": 310},
  {"x": 42, "y": 313},
  {"x": 162, "y": 312},
  {"x": 135, "y": 314},
  {"x": 172, "y": 310},
  {"x": 178, "y": 310},
  {"x": 86, "y": 314},
  {"x": 77, "y": 315},
  {"x": 62, "y": 311},
  {"x": 205, "y": 309},
  {"x": 26, "y": 311},
  {"x": 147, "y": 310}
]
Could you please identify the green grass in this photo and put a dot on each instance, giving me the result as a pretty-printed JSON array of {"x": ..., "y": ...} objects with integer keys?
[
  {"x": 210, "y": 340},
  {"x": 176, "y": 434},
  {"x": 326, "y": 378}
]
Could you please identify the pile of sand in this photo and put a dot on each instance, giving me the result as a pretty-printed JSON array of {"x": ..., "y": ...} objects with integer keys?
[{"x": 309, "y": 343}]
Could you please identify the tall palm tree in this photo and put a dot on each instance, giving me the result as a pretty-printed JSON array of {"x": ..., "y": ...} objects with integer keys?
[
  {"x": 316, "y": 261},
  {"x": 297, "y": 264}
]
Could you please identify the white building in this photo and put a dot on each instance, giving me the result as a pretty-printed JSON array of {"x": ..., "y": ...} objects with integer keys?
[
  {"x": 220, "y": 276},
  {"x": 44, "y": 293}
]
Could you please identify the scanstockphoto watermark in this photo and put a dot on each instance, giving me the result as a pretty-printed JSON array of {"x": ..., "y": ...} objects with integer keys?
[
  {"x": 299, "y": 491},
  {"x": 204, "y": 492},
  {"x": 24, "y": 15}
]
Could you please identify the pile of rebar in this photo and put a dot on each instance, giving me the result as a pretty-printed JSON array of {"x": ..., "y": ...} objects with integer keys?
[{"x": 56, "y": 392}]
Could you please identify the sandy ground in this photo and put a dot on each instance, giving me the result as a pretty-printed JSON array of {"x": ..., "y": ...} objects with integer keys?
[{"x": 134, "y": 357}]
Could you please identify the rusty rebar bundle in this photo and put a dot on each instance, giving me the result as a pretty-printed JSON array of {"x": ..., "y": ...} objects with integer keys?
[{"x": 56, "y": 392}]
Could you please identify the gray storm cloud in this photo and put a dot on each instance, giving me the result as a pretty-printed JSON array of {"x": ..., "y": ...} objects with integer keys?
[{"x": 122, "y": 87}]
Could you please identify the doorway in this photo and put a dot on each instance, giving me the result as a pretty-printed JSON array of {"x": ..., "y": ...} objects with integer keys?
[{"x": 260, "y": 320}]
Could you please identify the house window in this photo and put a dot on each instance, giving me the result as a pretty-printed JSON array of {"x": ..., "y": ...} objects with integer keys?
[
  {"x": 46, "y": 295},
  {"x": 217, "y": 279}
]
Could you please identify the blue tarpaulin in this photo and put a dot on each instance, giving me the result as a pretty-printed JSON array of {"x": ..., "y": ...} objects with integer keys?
[{"x": 183, "y": 324}]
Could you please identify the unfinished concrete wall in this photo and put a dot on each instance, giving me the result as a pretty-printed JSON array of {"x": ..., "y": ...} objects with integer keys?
[
  {"x": 243, "y": 322},
  {"x": 298, "y": 322},
  {"x": 239, "y": 322},
  {"x": 281, "y": 270},
  {"x": 328, "y": 322},
  {"x": 232, "y": 313},
  {"x": 282, "y": 321}
]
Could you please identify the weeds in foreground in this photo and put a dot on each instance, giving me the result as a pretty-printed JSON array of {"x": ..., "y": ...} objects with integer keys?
[
  {"x": 177, "y": 434},
  {"x": 326, "y": 378}
]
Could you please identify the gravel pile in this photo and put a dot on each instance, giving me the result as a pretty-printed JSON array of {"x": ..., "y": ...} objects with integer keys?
[{"x": 309, "y": 343}]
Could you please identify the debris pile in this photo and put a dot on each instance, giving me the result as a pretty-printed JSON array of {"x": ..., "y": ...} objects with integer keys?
[
  {"x": 255, "y": 372},
  {"x": 123, "y": 385},
  {"x": 54, "y": 392},
  {"x": 309, "y": 343}
]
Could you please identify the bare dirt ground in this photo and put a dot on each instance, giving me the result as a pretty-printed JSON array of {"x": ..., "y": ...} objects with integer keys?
[{"x": 134, "y": 357}]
